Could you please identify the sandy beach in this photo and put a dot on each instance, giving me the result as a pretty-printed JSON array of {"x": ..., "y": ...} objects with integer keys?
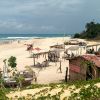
[
  {"x": 23, "y": 58},
  {"x": 46, "y": 75}
]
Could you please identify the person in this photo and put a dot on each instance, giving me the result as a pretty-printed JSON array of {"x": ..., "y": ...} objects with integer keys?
[
  {"x": 60, "y": 69},
  {"x": 92, "y": 51},
  {"x": 72, "y": 55}
]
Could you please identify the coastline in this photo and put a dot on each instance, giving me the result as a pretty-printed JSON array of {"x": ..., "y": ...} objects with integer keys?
[{"x": 18, "y": 49}]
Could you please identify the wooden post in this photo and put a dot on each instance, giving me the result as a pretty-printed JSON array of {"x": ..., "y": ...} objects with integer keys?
[
  {"x": 34, "y": 59},
  {"x": 66, "y": 74},
  {"x": 45, "y": 56},
  {"x": 92, "y": 47},
  {"x": 96, "y": 48}
]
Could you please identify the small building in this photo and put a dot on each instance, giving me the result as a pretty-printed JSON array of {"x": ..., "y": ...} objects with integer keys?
[{"x": 84, "y": 67}]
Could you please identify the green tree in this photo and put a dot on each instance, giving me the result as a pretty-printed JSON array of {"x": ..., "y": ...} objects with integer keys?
[
  {"x": 77, "y": 35},
  {"x": 92, "y": 31},
  {"x": 12, "y": 62}
]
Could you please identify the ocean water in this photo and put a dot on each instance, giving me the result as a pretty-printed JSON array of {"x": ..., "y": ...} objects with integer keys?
[{"x": 4, "y": 37}]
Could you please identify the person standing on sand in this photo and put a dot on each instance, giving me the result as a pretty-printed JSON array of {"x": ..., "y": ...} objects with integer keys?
[{"x": 60, "y": 69}]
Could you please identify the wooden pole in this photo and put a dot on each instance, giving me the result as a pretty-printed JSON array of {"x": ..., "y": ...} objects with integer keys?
[
  {"x": 96, "y": 48},
  {"x": 34, "y": 59},
  {"x": 66, "y": 74},
  {"x": 45, "y": 56}
]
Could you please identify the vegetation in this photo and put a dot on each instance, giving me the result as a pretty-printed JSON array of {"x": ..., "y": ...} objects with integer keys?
[
  {"x": 92, "y": 31},
  {"x": 92, "y": 92},
  {"x": 19, "y": 79},
  {"x": 12, "y": 62},
  {"x": 3, "y": 90},
  {"x": 88, "y": 90}
]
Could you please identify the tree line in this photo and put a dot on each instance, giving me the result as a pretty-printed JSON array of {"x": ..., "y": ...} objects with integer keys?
[{"x": 92, "y": 31}]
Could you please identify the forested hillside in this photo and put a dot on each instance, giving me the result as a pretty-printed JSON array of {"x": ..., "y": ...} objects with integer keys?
[{"x": 92, "y": 31}]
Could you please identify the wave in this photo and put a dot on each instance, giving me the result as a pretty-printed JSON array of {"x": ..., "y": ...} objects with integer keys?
[
  {"x": 16, "y": 38},
  {"x": 4, "y": 37}
]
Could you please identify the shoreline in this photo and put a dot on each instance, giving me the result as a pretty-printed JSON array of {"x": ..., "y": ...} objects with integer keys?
[
  {"x": 8, "y": 41},
  {"x": 19, "y": 51},
  {"x": 23, "y": 57}
]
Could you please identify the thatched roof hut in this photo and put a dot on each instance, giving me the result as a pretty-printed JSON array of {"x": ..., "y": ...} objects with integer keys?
[{"x": 73, "y": 48}]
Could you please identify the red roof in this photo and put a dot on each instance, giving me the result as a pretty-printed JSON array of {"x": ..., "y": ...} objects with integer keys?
[
  {"x": 74, "y": 68},
  {"x": 93, "y": 58},
  {"x": 38, "y": 49}
]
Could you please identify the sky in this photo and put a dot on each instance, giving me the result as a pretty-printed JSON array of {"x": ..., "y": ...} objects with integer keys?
[{"x": 47, "y": 16}]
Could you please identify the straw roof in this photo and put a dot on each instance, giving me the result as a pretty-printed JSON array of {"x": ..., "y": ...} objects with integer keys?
[
  {"x": 73, "y": 41},
  {"x": 59, "y": 46},
  {"x": 73, "y": 48},
  {"x": 93, "y": 45}
]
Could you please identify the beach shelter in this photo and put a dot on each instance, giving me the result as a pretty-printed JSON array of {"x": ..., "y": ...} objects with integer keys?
[
  {"x": 74, "y": 49},
  {"x": 36, "y": 50}
]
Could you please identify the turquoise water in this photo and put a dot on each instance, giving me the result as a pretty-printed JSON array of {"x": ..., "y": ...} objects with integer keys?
[{"x": 28, "y": 36}]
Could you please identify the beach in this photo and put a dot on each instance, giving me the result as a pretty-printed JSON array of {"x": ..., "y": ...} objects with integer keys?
[
  {"x": 18, "y": 49},
  {"x": 23, "y": 57},
  {"x": 45, "y": 75}
]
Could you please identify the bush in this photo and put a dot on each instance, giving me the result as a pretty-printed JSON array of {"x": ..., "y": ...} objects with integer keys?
[
  {"x": 12, "y": 62},
  {"x": 77, "y": 35},
  {"x": 92, "y": 92}
]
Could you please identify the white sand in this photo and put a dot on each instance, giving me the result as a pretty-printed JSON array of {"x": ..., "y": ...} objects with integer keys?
[
  {"x": 18, "y": 50},
  {"x": 47, "y": 75}
]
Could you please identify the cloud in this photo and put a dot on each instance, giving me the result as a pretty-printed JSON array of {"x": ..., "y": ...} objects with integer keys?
[
  {"x": 46, "y": 15},
  {"x": 37, "y": 6},
  {"x": 15, "y": 26},
  {"x": 10, "y": 24},
  {"x": 47, "y": 28}
]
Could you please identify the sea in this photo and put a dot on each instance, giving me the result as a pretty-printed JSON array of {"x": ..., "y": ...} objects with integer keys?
[{"x": 7, "y": 37}]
